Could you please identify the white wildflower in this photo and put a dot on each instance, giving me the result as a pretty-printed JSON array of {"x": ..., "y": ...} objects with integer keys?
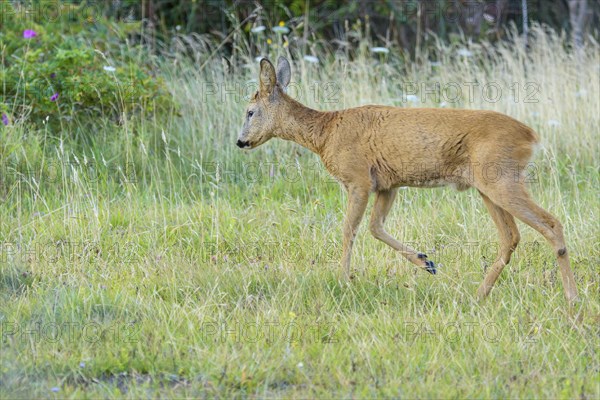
[
  {"x": 382, "y": 50},
  {"x": 311, "y": 59},
  {"x": 258, "y": 29}
]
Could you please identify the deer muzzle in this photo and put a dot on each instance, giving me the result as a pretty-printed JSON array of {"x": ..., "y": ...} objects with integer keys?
[{"x": 243, "y": 144}]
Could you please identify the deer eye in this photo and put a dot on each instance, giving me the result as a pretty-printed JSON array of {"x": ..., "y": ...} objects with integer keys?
[{"x": 250, "y": 114}]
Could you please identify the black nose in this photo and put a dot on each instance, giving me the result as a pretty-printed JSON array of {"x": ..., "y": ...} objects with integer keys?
[{"x": 241, "y": 144}]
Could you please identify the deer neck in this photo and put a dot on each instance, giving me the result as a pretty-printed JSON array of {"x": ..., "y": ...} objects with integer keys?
[{"x": 305, "y": 126}]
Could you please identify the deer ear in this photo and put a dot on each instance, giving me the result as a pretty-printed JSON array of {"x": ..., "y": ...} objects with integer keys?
[
  {"x": 284, "y": 72},
  {"x": 267, "y": 77}
]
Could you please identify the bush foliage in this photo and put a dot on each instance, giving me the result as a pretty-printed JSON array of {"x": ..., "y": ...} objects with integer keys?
[{"x": 73, "y": 62}]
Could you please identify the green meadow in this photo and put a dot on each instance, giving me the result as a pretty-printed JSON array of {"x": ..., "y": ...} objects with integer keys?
[{"x": 149, "y": 257}]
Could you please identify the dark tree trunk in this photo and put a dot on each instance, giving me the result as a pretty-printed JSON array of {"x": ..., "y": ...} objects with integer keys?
[{"x": 578, "y": 16}]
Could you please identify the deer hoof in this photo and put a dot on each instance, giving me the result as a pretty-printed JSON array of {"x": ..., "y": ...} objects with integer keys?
[{"x": 430, "y": 267}]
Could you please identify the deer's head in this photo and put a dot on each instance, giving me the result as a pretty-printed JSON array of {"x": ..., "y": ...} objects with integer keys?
[{"x": 266, "y": 108}]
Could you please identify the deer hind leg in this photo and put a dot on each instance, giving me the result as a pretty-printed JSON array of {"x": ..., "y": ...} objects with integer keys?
[
  {"x": 509, "y": 239},
  {"x": 516, "y": 200},
  {"x": 357, "y": 203},
  {"x": 383, "y": 203}
]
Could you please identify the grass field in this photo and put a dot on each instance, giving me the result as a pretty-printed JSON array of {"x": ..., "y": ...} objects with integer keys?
[{"x": 155, "y": 259}]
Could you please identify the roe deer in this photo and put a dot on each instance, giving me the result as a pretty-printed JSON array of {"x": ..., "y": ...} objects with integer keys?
[{"x": 379, "y": 148}]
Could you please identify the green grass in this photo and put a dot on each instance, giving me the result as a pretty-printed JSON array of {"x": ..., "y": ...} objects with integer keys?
[{"x": 156, "y": 260}]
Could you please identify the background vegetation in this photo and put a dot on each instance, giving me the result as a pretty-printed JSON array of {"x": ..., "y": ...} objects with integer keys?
[{"x": 142, "y": 254}]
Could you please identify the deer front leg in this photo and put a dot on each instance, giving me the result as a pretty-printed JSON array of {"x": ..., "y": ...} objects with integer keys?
[
  {"x": 383, "y": 203},
  {"x": 357, "y": 203}
]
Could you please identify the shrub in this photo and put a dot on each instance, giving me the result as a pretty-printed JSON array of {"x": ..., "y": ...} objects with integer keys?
[{"x": 73, "y": 63}]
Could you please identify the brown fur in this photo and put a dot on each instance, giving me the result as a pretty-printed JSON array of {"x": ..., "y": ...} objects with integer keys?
[{"x": 379, "y": 148}]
